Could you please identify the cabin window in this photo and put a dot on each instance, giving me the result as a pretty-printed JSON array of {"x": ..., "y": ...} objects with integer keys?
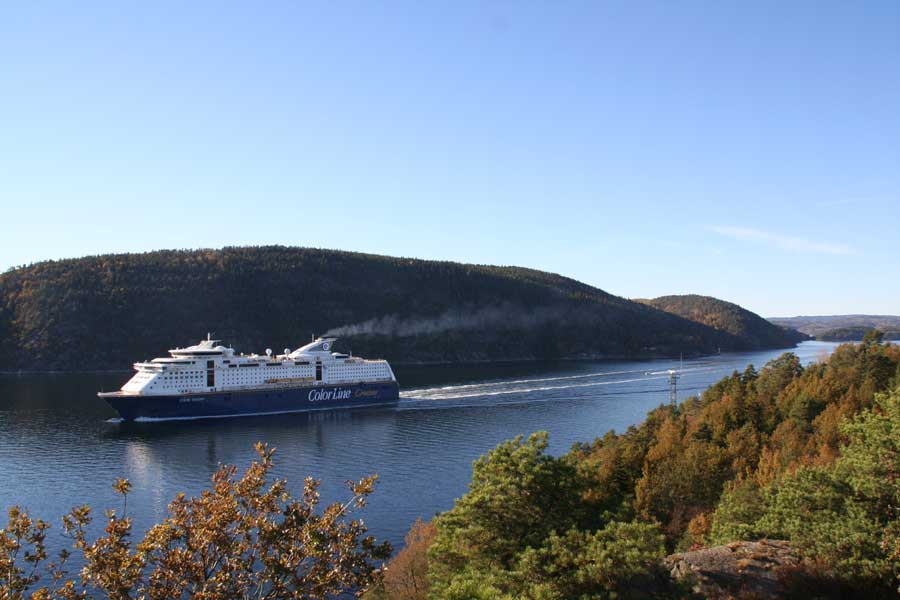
[{"x": 318, "y": 372}]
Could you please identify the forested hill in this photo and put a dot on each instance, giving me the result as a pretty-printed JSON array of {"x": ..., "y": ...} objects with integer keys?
[
  {"x": 730, "y": 318},
  {"x": 807, "y": 455},
  {"x": 107, "y": 311},
  {"x": 827, "y": 325},
  {"x": 854, "y": 334}
]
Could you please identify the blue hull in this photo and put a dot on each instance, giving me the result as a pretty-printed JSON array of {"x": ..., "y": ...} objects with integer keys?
[{"x": 251, "y": 402}]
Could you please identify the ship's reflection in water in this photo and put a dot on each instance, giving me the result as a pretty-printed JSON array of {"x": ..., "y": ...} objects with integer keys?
[{"x": 58, "y": 448}]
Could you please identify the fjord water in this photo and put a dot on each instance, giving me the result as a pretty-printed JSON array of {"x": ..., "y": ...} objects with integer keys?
[{"x": 59, "y": 449}]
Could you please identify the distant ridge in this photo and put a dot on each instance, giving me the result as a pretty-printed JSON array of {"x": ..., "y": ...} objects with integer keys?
[
  {"x": 841, "y": 328},
  {"x": 728, "y": 317},
  {"x": 105, "y": 312}
]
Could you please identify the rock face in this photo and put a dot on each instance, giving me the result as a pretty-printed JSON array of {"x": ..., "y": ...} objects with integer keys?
[{"x": 737, "y": 570}]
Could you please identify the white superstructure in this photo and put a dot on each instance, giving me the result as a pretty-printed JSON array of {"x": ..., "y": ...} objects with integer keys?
[{"x": 209, "y": 367}]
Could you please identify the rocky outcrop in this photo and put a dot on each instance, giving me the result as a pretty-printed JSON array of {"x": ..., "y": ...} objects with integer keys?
[{"x": 745, "y": 570}]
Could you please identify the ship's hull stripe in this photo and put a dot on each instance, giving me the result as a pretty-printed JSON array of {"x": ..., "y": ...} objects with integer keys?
[{"x": 251, "y": 402}]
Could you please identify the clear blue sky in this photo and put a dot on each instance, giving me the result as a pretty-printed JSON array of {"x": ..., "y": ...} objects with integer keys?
[{"x": 745, "y": 150}]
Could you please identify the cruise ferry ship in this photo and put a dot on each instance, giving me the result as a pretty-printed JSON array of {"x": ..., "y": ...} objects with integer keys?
[{"x": 210, "y": 380}]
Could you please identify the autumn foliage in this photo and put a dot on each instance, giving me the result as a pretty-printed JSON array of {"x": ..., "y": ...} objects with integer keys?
[
  {"x": 805, "y": 453},
  {"x": 245, "y": 538},
  {"x": 407, "y": 578}
]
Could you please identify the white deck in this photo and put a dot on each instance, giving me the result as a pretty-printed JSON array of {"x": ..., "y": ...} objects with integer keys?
[{"x": 211, "y": 367}]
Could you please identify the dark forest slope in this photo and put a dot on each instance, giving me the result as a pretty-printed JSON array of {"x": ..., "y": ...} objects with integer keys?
[
  {"x": 107, "y": 311},
  {"x": 728, "y": 317}
]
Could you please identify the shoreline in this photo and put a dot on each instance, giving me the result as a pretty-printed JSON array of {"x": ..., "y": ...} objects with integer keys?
[{"x": 462, "y": 363}]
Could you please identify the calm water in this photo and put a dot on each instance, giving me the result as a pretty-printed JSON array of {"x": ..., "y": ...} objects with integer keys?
[{"x": 58, "y": 448}]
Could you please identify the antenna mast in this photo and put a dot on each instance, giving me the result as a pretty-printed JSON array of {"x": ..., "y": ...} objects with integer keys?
[{"x": 673, "y": 387}]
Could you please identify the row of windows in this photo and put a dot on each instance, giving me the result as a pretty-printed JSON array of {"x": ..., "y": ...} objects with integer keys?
[{"x": 337, "y": 372}]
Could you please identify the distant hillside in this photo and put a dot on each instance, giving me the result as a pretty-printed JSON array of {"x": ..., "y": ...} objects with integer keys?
[
  {"x": 854, "y": 334},
  {"x": 108, "y": 311},
  {"x": 728, "y": 317},
  {"x": 818, "y": 325}
]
